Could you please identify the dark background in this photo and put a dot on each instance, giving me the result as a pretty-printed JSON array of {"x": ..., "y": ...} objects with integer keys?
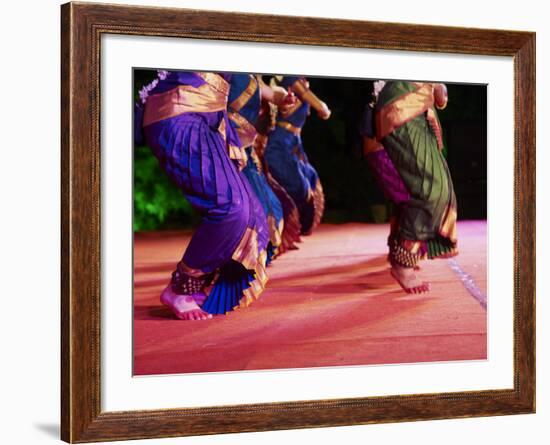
[{"x": 334, "y": 149}]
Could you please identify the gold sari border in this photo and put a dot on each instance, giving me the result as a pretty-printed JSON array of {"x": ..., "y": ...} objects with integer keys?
[
  {"x": 245, "y": 96},
  {"x": 448, "y": 227},
  {"x": 245, "y": 130},
  {"x": 289, "y": 110},
  {"x": 403, "y": 109},
  {"x": 192, "y": 272},
  {"x": 257, "y": 286},
  {"x": 411, "y": 246},
  {"x": 318, "y": 204},
  {"x": 371, "y": 145},
  {"x": 260, "y": 143},
  {"x": 256, "y": 159},
  {"x": 433, "y": 121},
  {"x": 300, "y": 86},
  {"x": 291, "y": 231},
  {"x": 183, "y": 99},
  {"x": 235, "y": 152},
  {"x": 215, "y": 81},
  {"x": 222, "y": 130},
  {"x": 238, "y": 154},
  {"x": 448, "y": 254},
  {"x": 289, "y": 127},
  {"x": 247, "y": 254},
  {"x": 275, "y": 231}
]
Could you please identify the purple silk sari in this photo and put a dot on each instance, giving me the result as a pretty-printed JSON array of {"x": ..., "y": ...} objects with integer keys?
[{"x": 194, "y": 148}]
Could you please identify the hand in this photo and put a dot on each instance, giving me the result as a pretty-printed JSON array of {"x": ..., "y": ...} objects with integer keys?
[
  {"x": 324, "y": 111},
  {"x": 284, "y": 97},
  {"x": 286, "y": 101},
  {"x": 440, "y": 95}
]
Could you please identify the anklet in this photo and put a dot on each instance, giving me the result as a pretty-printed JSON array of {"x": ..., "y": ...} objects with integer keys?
[
  {"x": 401, "y": 256},
  {"x": 185, "y": 284}
]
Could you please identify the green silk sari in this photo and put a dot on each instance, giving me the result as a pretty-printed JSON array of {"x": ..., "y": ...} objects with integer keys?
[{"x": 408, "y": 128}]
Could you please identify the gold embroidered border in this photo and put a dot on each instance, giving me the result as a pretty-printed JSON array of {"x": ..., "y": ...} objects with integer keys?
[
  {"x": 257, "y": 286},
  {"x": 256, "y": 159},
  {"x": 371, "y": 145},
  {"x": 183, "y": 99},
  {"x": 448, "y": 228},
  {"x": 431, "y": 117},
  {"x": 410, "y": 245},
  {"x": 318, "y": 204},
  {"x": 289, "y": 127},
  {"x": 403, "y": 109},
  {"x": 196, "y": 273},
  {"x": 300, "y": 87},
  {"x": 238, "y": 154},
  {"x": 216, "y": 81},
  {"x": 259, "y": 144},
  {"x": 287, "y": 111},
  {"x": 222, "y": 129},
  {"x": 245, "y": 96},
  {"x": 245, "y": 130},
  {"x": 275, "y": 231},
  {"x": 246, "y": 252}
]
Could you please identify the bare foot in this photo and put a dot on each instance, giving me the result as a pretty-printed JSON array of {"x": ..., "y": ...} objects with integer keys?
[
  {"x": 185, "y": 307},
  {"x": 408, "y": 280}
]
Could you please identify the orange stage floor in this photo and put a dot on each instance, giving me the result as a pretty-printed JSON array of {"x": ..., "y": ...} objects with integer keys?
[{"x": 332, "y": 302}]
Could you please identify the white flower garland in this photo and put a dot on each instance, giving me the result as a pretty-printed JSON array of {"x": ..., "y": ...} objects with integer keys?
[
  {"x": 378, "y": 85},
  {"x": 144, "y": 92}
]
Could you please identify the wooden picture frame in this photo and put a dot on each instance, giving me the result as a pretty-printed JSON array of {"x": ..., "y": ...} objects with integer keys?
[{"x": 82, "y": 26}]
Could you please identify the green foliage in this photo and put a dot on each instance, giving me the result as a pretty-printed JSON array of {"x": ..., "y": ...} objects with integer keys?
[{"x": 157, "y": 202}]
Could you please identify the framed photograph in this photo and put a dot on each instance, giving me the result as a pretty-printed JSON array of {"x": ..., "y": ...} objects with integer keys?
[{"x": 250, "y": 209}]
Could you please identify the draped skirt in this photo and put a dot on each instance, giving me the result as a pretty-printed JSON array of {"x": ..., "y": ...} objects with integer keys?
[
  {"x": 289, "y": 165},
  {"x": 269, "y": 201},
  {"x": 232, "y": 236},
  {"x": 413, "y": 173}
]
